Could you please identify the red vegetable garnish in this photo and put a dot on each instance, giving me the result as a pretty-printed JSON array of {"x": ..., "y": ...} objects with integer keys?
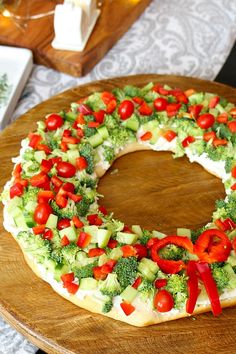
[
  {"x": 188, "y": 140},
  {"x": 232, "y": 126},
  {"x": 206, "y": 120},
  {"x": 81, "y": 163},
  {"x": 169, "y": 135},
  {"x": 65, "y": 241},
  {"x": 69, "y": 277},
  {"x": 42, "y": 212},
  {"x": 126, "y": 109},
  {"x": 127, "y": 308},
  {"x": 99, "y": 116},
  {"x": 16, "y": 190},
  {"x": 214, "y": 101},
  {"x": 77, "y": 222},
  {"x": 84, "y": 239},
  {"x": 95, "y": 252},
  {"x": 163, "y": 301},
  {"x": 65, "y": 169},
  {"x": 141, "y": 250},
  {"x": 195, "y": 110},
  {"x": 72, "y": 288},
  {"x": 54, "y": 121},
  {"x": 128, "y": 251},
  {"x": 146, "y": 136},
  {"x": 145, "y": 109},
  {"x": 94, "y": 219},
  {"x": 63, "y": 224},
  {"x": 160, "y": 104},
  {"x": 160, "y": 283},
  {"x": 137, "y": 282},
  {"x": 85, "y": 109},
  {"x": 192, "y": 284},
  {"x": 209, "y": 135}
]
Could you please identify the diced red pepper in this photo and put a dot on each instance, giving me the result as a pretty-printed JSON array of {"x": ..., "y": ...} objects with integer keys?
[
  {"x": 99, "y": 116},
  {"x": 80, "y": 132},
  {"x": 220, "y": 225},
  {"x": 46, "y": 165},
  {"x": 127, "y": 308},
  {"x": 45, "y": 148},
  {"x": 218, "y": 142},
  {"x": 45, "y": 196},
  {"x": 229, "y": 224},
  {"x": 17, "y": 170},
  {"x": 96, "y": 252},
  {"x": 98, "y": 274},
  {"x": 222, "y": 118},
  {"x": 48, "y": 235},
  {"x": 234, "y": 244},
  {"x": 93, "y": 124},
  {"x": 172, "y": 109},
  {"x": 68, "y": 187},
  {"x": 61, "y": 201},
  {"x": 141, "y": 250},
  {"x": 112, "y": 243},
  {"x": 107, "y": 97},
  {"x": 40, "y": 180},
  {"x": 188, "y": 140},
  {"x": 57, "y": 182},
  {"x": 84, "y": 239},
  {"x": 169, "y": 135},
  {"x": 233, "y": 187},
  {"x": 39, "y": 229},
  {"x": 159, "y": 89},
  {"x": 160, "y": 283},
  {"x": 232, "y": 126},
  {"x": 80, "y": 119},
  {"x": 72, "y": 288},
  {"x": 55, "y": 160},
  {"x": 65, "y": 241},
  {"x": 209, "y": 135},
  {"x": 128, "y": 251},
  {"x": 81, "y": 163},
  {"x": 108, "y": 266},
  {"x": 151, "y": 242},
  {"x": 70, "y": 140},
  {"x": 75, "y": 197},
  {"x": 233, "y": 172},
  {"x": 126, "y": 228},
  {"x": 214, "y": 101},
  {"x": 192, "y": 285},
  {"x": 34, "y": 140},
  {"x": 189, "y": 92},
  {"x": 145, "y": 109},
  {"x": 137, "y": 282},
  {"x": 63, "y": 146},
  {"x": 170, "y": 266},
  {"x": 23, "y": 182},
  {"x": 63, "y": 224},
  {"x": 16, "y": 190},
  {"x": 210, "y": 286},
  {"x": 212, "y": 246},
  {"x": 179, "y": 95},
  {"x": 137, "y": 100},
  {"x": 195, "y": 110},
  {"x": 233, "y": 112},
  {"x": 94, "y": 219},
  {"x": 69, "y": 277},
  {"x": 66, "y": 133},
  {"x": 111, "y": 106},
  {"x": 103, "y": 210},
  {"x": 146, "y": 136},
  {"x": 77, "y": 222}
]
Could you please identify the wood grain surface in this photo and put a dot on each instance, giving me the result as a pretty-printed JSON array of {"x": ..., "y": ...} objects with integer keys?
[
  {"x": 149, "y": 188},
  {"x": 115, "y": 19}
]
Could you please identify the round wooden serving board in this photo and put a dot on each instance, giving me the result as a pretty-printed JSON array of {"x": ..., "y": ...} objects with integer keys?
[{"x": 147, "y": 188}]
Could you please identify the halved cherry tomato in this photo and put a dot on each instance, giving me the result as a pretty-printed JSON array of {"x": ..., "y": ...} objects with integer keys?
[
  {"x": 54, "y": 121},
  {"x": 160, "y": 104},
  {"x": 95, "y": 252},
  {"x": 65, "y": 169},
  {"x": 81, "y": 163},
  {"x": 205, "y": 120},
  {"x": 126, "y": 109},
  {"x": 63, "y": 224},
  {"x": 16, "y": 190},
  {"x": 214, "y": 101},
  {"x": 69, "y": 277},
  {"x": 169, "y": 135},
  {"x": 127, "y": 308},
  {"x": 84, "y": 239},
  {"x": 103, "y": 210},
  {"x": 163, "y": 301},
  {"x": 232, "y": 126},
  {"x": 42, "y": 212},
  {"x": 160, "y": 283},
  {"x": 209, "y": 135}
]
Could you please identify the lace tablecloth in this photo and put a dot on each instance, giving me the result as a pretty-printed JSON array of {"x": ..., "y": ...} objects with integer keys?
[{"x": 181, "y": 37}]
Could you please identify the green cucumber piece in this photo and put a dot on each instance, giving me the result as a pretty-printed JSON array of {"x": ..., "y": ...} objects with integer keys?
[
  {"x": 103, "y": 237},
  {"x": 150, "y": 126},
  {"x": 20, "y": 222},
  {"x": 72, "y": 156},
  {"x": 69, "y": 232},
  {"x": 39, "y": 156},
  {"x": 29, "y": 220},
  {"x": 71, "y": 117},
  {"x": 92, "y": 231},
  {"x": 30, "y": 206},
  {"x": 95, "y": 140},
  {"x": 102, "y": 130},
  {"x": 13, "y": 203},
  {"x": 183, "y": 232},
  {"x": 88, "y": 284},
  {"x": 132, "y": 123},
  {"x": 126, "y": 237},
  {"x": 102, "y": 259},
  {"x": 116, "y": 253},
  {"x": 158, "y": 234},
  {"x": 155, "y": 136},
  {"x": 151, "y": 265},
  {"x": 232, "y": 276},
  {"x": 129, "y": 294},
  {"x": 137, "y": 230},
  {"x": 16, "y": 212},
  {"x": 145, "y": 271},
  {"x": 59, "y": 270},
  {"x": 232, "y": 259},
  {"x": 196, "y": 98},
  {"x": 52, "y": 221}
]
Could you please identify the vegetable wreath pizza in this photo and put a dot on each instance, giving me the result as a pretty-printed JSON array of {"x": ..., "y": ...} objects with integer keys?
[{"x": 142, "y": 277}]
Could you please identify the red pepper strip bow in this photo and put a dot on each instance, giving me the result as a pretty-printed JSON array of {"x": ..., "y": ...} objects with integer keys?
[{"x": 166, "y": 265}]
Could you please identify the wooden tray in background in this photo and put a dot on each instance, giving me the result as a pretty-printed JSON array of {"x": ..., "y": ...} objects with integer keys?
[
  {"x": 149, "y": 188},
  {"x": 115, "y": 19}
]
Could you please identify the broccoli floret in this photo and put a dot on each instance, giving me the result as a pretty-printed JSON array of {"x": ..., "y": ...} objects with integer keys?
[
  {"x": 126, "y": 270},
  {"x": 216, "y": 154},
  {"x": 220, "y": 275},
  {"x": 88, "y": 182},
  {"x": 110, "y": 286},
  {"x": 87, "y": 152},
  {"x": 220, "y": 203},
  {"x": 69, "y": 253},
  {"x": 196, "y": 233},
  {"x": 146, "y": 290},
  {"x": 172, "y": 252},
  {"x": 222, "y": 130},
  {"x": 132, "y": 91},
  {"x": 83, "y": 206},
  {"x": 114, "y": 225},
  {"x": 229, "y": 161},
  {"x": 226, "y": 208},
  {"x": 28, "y": 155},
  {"x": 108, "y": 153},
  {"x": 35, "y": 245},
  {"x": 119, "y": 94},
  {"x": 177, "y": 286},
  {"x": 145, "y": 237},
  {"x": 111, "y": 121},
  {"x": 95, "y": 102},
  {"x": 85, "y": 271},
  {"x": 53, "y": 144},
  {"x": 30, "y": 195},
  {"x": 120, "y": 137},
  {"x": 89, "y": 131},
  {"x": 64, "y": 213},
  {"x": 56, "y": 255},
  {"x": 107, "y": 306}
]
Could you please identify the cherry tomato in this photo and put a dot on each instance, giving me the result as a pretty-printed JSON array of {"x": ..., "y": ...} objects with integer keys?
[
  {"x": 160, "y": 104},
  {"x": 232, "y": 126},
  {"x": 65, "y": 169},
  {"x": 42, "y": 212},
  {"x": 163, "y": 301},
  {"x": 63, "y": 223},
  {"x": 206, "y": 120},
  {"x": 54, "y": 121},
  {"x": 126, "y": 109}
]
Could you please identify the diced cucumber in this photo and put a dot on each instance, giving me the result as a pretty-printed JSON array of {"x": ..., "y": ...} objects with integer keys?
[
  {"x": 145, "y": 271},
  {"x": 129, "y": 294},
  {"x": 88, "y": 284},
  {"x": 13, "y": 203},
  {"x": 50, "y": 265},
  {"x": 102, "y": 130},
  {"x": 183, "y": 232},
  {"x": 72, "y": 155},
  {"x": 102, "y": 259},
  {"x": 137, "y": 230},
  {"x": 20, "y": 222},
  {"x": 158, "y": 234},
  {"x": 52, "y": 221},
  {"x": 95, "y": 140},
  {"x": 150, "y": 126},
  {"x": 69, "y": 232},
  {"x": 232, "y": 259},
  {"x": 132, "y": 123},
  {"x": 126, "y": 237},
  {"x": 59, "y": 270},
  {"x": 30, "y": 206},
  {"x": 155, "y": 136},
  {"x": 29, "y": 220},
  {"x": 39, "y": 156},
  {"x": 103, "y": 236},
  {"x": 92, "y": 231},
  {"x": 151, "y": 265},
  {"x": 229, "y": 270},
  {"x": 70, "y": 116},
  {"x": 16, "y": 212},
  {"x": 116, "y": 253},
  {"x": 214, "y": 112},
  {"x": 196, "y": 98}
]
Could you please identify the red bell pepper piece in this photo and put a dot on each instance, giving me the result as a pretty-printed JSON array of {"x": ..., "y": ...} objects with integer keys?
[
  {"x": 46, "y": 165},
  {"x": 151, "y": 242},
  {"x": 160, "y": 283},
  {"x": 17, "y": 170},
  {"x": 72, "y": 288},
  {"x": 111, "y": 106},
  {"x": 61, "y": 201},
  {"x": 77, "y": 222},
  {"x": 107, "y": 97},
  {"x": 84, "y": 239},
  {"x": 75, "y": 197},
  {"x": 98, "y": 274},
  {"x": 80, "y": 132},
  {"x": 195, "y": 110},
  {"x": 137, "y": 282},
  {"x": 108, "y": 266},
  {"x": 233, "y": 187},
  {"x": 103, "y": 210},
  {"x": 34, "y": 140},
  {"x": 172, "y": 109},
  {"x": 99, "y": 116},
  {"x": 192, "y": 286},
  {"x": 16, "y": 190},
  {"x": 95, "y": 252},
  {"x": 146, "y": 136},
  {"x": 140, "y": 250},
  {"x": 210, "y": 286},
  {"x": 40, "y": 180},
  {"x": 233, "y": 172},
  {"x": 214, "y": 101},
  {"x": 212, "y": 246},
  {"x": 65, "y": 241},
  {"x": 229, "y": 224},
  {"x": 112, "y": 243},
  {"x": 69, "y": 277},
  {"x": 170, "y": 266},
  {"x": 39, "y": 229},
  {"x": 93, "y": 124},
  {"x": 127, "y": 308},
  {"x": 188, "y": 140},
  {"x": 94, "y": 219},
  {"x": 137, "y": 100},
  {"x": 219, "y": 142},
  {"x": 70, "y": 140},
  {"x": 222, "y": 118},
  {"x": 128, "y": 251},
  {"x": 45, "y": 148},
  {"x": 45, "y": 196},
  {"x": 220, "y": 225},
  {"x": 81, "y": 163},
  {"x": 145, "y": 109},
  {"x": 48, "y": 235},
  {"x": 169, "y": 135},
  {"x": 209, "y": 135}
]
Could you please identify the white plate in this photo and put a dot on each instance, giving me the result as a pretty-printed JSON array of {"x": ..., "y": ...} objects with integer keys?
[{"x": 17, "y": 64}]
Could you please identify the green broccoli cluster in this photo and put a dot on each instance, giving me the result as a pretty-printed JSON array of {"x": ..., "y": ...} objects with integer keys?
[
  {"x": 145, "y": 237},
  {"x": 121, "y": 136},
  {"x": 69, "y": 253},
  {"x": 107, "y": 306},
  {"x": 110, "y": 286},
  {"x": 220, "y": 275},
  {"x": 108, "y": 153},
  {"x": 177, "y": 286},
  {"x": 172, "y": 252},
  {"x": 85, "y": 271},
  {"x": 146, "y": 290},
  {"x": 227, "y": 208},
  {"x": 126, "y": 270},
  {"x": 86, "y": 150},
  {"x": 65, "y": 213}
]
